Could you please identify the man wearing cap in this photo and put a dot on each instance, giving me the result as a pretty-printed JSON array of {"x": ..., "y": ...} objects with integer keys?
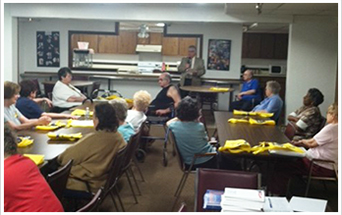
[{"x": 192, "y": 68}]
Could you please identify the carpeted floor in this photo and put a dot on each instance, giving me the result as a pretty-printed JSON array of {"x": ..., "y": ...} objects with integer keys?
[{"x": 157, "y": 192}]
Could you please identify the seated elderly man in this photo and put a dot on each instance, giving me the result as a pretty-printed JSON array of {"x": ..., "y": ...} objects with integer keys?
[
  {"x": 273, "y": 103},
  {"x": 166, "y": 97},
  {"x": 65, "y": 95},
  {"x": 249, "y": 95},
  {"x": 308, "y": 119}
]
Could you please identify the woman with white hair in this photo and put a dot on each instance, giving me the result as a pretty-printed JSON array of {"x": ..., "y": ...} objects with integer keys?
[
  {"x": 136, "y": 116},
  {"x": 273, "y": 103}
]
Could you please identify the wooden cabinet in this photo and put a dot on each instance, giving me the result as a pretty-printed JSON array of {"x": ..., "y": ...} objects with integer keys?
[
  {"x": 144, "y": 41},
  {"x": 265, "y": 46},
  {"x": 184, "y": 43},
  {"x": 156, "y": 38},
  {"x": 107, "y": 44},
  {"x": 127, "y": 42},
  {"x": 170, "y": 46},
  {"x": 90, "y": 38}
]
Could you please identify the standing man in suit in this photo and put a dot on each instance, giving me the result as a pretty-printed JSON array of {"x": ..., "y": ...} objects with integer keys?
[{"x": 192, "y": 68}]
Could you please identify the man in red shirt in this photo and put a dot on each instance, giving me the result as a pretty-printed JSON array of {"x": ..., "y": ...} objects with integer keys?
[{"x": 25, "y": 189}]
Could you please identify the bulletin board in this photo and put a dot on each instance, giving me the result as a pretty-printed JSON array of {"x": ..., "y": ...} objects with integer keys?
[
  {"x": 48, "y": 52},
  {"x": 219, "y": 54}
]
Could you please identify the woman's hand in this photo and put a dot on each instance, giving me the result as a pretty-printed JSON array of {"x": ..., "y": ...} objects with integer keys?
[
  {"x": 48, "y": 102},
  {"x": 44, "y": 120}
]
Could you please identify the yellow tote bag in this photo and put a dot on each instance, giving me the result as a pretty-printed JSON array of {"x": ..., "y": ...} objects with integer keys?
[
  {"x": 235, "y": 146},
  {"x": 37, "y": 159}
]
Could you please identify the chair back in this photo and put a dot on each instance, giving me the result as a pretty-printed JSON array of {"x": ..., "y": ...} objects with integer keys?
[
  {"x": 48, "y": 88},
  {"x": 179, "y": 156},
  {"x": 58, "y": 179},
  {"x": 115, "y": 170},
  {"x": 93, "y": 204},
  {"x": 290, "y": 131},
  {"x": 217, "y": 179},
  {"x": 132, "y": 146},
  {"x": 202, "y": 120},
  {"x": 96, "y": 86}
]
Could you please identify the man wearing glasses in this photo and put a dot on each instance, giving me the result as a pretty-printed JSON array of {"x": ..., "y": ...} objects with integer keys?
[{"x": 192, "y": 68}]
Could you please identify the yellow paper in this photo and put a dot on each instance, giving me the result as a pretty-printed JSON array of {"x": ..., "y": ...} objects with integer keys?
[
  {"x": 71, "y": 137},
  {"x": 37, "y": 159},
  {"x": 219, "y": 89},
  {"x": 235, "y": 146},
  {"x": 80, "y": 112},
  {"x": 51, "y": 126},
  {"x": 112, "y": 97},
  {"x": 233, "y": 120},
  {"x": 24, "y": 142},
  {"x": 261, "y": 122},
  {"x": 245, "y": 113}
]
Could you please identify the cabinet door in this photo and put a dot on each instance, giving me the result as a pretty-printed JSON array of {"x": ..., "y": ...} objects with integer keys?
[
  {"x": 127, "y": 42},
  {"x": 184, "y": 43},
  {"x": 108, "y": 44},
  {"x": 143, "y": 41},
  {"x": 170, "y": 46},
  {"x": 253, "y": 48},
  {"x": 156, "y": 38},
  {"x": 281, "y": 46},
  {"x": 267, "y": 46},
  {"x": 90, "y": 38}
]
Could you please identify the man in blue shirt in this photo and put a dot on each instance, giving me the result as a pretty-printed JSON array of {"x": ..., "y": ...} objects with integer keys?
[
  {"x": 249, "y": 95},
  {"x": 273, "y": 103}
]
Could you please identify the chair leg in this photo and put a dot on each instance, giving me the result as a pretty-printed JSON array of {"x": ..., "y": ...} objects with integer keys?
[
  {"x": 180, "y": 190},
  {"x": 114, "y": 202},
  {"x": 135, "y": 181},
  {"x": 307, "y": 187},
  {"x": 179, "y": 185},
  {"x": 140, "y": 173},
  {"x": 120, "y": 201},
  {"x": 130, "y": 185}
]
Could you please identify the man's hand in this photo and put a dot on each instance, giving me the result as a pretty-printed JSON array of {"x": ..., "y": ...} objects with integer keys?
[
  {"x": 239, "y": 96},
  {"x": 44, "y": 120},
  {"x": 162, "y": 112},
  {"x": 48, "y": 102}
]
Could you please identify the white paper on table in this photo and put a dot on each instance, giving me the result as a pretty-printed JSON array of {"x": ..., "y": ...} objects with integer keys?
[
  {"x": 277, "y": 204},
  {"x": 303, "y": 204},
  {"x": 82, "y": 123}
]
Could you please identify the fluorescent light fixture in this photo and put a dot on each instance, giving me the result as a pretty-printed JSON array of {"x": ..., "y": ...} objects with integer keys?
[
  {"x": 160, "y": 24},
  {"x": 255, "y": 24}
]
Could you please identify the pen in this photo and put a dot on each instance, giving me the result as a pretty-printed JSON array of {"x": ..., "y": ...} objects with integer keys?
[{"x": 269, "y": 200}]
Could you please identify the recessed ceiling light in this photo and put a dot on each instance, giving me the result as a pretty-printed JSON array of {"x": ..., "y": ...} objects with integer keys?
[
  {"x": 30, "y": 19},
  {"x": 160, "y": 24}
]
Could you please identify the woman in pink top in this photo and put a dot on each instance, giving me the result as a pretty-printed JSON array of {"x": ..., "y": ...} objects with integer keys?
[{"x": 324, "y": 145}]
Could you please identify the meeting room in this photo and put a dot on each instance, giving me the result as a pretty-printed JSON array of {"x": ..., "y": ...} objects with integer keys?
[{"x": 170, "y": 107}]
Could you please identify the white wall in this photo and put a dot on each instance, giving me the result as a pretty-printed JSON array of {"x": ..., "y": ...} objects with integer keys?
[
  {"x": 27, "y": 38},
  {"x": 10, "y": 45},
  {"x": 225, "y": 31},
  {"x": 312, "y": 60}
]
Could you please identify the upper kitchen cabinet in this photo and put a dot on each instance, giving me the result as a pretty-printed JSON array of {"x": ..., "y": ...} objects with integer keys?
[
  {"x": 127, "y": 41},
  {"x": 107, "y": 44},
  {"x": 184, "y": 43},
  {"x": 153, "y": 39},
  {"x": 265, "y": 46},
  {"x": 92, "y": 39},
  {"x": 170, "y": 46}
]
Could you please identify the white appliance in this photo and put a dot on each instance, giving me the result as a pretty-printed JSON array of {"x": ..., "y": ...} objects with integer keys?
[
  {"x": 148, "y": 48},
  {"x": 148, "y": 67},
  {"x": 277, "y": 69}
]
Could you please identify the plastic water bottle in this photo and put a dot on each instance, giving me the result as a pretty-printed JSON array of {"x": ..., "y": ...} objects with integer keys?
[{"x": 87, "y": 113}]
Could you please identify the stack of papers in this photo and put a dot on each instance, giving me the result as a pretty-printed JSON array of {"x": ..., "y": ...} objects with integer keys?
[
  {"x": 237, "y": 199},
  {"x": 277, "y": 204},
  {"x": 303, "y": 204}
]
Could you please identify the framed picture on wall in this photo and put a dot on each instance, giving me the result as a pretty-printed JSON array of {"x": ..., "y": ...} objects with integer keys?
[
  {"x": 48, "y": 53},
  {"x": 218, "y": 54}
]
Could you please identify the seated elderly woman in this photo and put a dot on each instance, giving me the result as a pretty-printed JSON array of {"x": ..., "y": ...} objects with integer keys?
[
  {"x": 94, "y": 153},
  {"x": 190, "y": 134},
  {"x": 136, "y": 116},
  {"x": 307, "y": 119},
  {"x": 273, "y": 103},
  {"x": 27, "y": 103},
  {"x": 12, "y": 116},
  {"x": 125, "y": 128},
  {"x": 25, "y": 189},
  {"x": 324, "y": 145}
]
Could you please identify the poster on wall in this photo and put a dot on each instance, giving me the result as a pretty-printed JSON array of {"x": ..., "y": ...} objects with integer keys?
[
  {"x": 218, "y": 54},
  {"x": 48, "y": 49}
]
